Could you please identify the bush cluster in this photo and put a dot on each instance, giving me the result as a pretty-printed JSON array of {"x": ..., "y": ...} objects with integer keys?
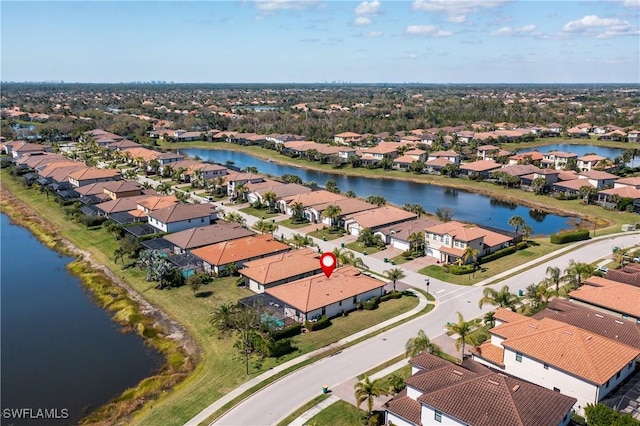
[
  {"x": 371, "y": 304},
  {"x": 292, "y": 330},
  {"x": 392, "y": 295},
  {"x": 502, "y": 252},
  {"x": 323, "y": 322},
  {"x": 570, "y": 236}
]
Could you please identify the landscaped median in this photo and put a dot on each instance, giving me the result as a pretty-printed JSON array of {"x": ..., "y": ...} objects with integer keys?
[{"x": 219, "y": 369}]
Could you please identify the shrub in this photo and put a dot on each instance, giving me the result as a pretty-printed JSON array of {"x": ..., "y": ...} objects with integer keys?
[
  {"x": 323, "y": 322},
  {"x": 371, "y": 304},
  {"x": 570, "y": 236},
  {"x": 502, "y": 252},
  {"x": 292, "y": 330},
  {"x": 278, "y": 348},
  {"x": 461, "y": 270},
  {"x": 392, "y": 295}
]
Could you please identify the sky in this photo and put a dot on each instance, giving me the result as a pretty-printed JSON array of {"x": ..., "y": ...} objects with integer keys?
[{"x": 296, "y": 41}]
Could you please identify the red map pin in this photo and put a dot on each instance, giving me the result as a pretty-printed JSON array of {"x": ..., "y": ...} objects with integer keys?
[{"x": 328, "y": 263}]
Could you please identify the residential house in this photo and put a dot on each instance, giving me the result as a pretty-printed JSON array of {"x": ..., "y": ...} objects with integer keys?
[
  {"x": 613, "y": 135},
  {"x": 192, "y": 168},
  {"x": 398, "y": 235},
  {"x": 551, "y": 176},
  {"x": 375, "y": 219},
  {"x": 532, "y": 157},
  {"x": 570, "y": 360},
  {"x": 403, "y": 162},
  {"x": 378, "y": 153},
  {"x": 628, "y": 274},
  {"x": 557, "y": 159},
  {"x": 609, "y": 296},
  {"x": 633, "y": 136},
  {"x": 217, "y": 257},
  {"x": 631, "y": 182},
  {"x": 555, "y": 129},
  {"x": 598, "y": 179},
  {"x": 312, "y": 297},
  {"x": 609, "y": 197},
  {"x": 90, "y": 175},
  {"x": 119, "y": 205},
  {"x": 235, "y": 179},
  {"x": 307, "y": 199},
  {"x": 120, "y": 188},
  {"x": 433, "y": 396},
  {"x": 279, "y": 189},
  {"x": 479, "y": 169},
  {"x": 193, "y": 238},
  {"x": 156, "y": 202},
  {"x": 448, "y": 241},
  {"x": 487, "y": 152},
  {"x": 18, "y": 150},
  {"x": 348, "y": 206},
  {"x": 590, "y": 162},
  {"x": 347, "y": 138},
  {"x": 436, "y": 166},
  {"x": 578, "y": 132},
  {"x": 450, "y": 156},
  {"x": 181, "y": 216},
  {"x": 94, "y": 193},
  {"x": 571, "y": 187},
  {"x": 262, "y": 274}
]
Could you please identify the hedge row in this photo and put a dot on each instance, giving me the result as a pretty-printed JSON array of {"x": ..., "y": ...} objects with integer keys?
[
  {"x": 502, "y": 252},
  {"x": 323, "y": 322},
  {"x": 392, "y": 295},
  {"x": 292, "y": 330},
  {"x": 570, "y": 236},
  {"x": 371, "y": 304},
  {"x": 276, "y": 349}
]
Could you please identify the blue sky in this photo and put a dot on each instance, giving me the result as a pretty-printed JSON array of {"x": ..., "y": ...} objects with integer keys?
[{"x": 428, "y": 41}]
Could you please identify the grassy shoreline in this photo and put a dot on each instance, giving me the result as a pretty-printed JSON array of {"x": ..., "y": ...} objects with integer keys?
[
  {"x": 124, "y": 309},
  {"x": 608, "y": 221}
]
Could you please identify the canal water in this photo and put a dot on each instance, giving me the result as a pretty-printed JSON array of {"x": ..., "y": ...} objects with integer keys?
[
  {"x": 467, "y": 206},
  {"x": 578, "y": 149},
  {"x": 59, "y": 349}
]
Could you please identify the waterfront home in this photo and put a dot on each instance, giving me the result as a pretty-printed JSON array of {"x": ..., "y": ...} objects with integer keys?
[
  {"x": 217, "y": 257},
  {"x": 279, "y": 189},
  {"x": 558, "y": 356},
  {"x": 555, "y": 129},
  {"x": 436, "y": 166},
  {"x": 590, "y": 162},
  {"x": 142, "y": 156},
  {"x": 347, "y": 138},
  {"x": 262, "y": 274},
  {"x": 571, "y": 187},
  {"x": 193, "y": 238},
  {"x": 533, "y": 157},
  {"x": 578, "y": 132},
  {"x": 122, "y": 145},
  {"x": 181, "y": 216},
  {"x": 448, "y": 241},
  {"x": 433, "y": 396},
  {"x": 451, "y": 156},
  {"x": 19, "y": 150},
  {"x": 375, "y": 219},
  {"x": 191, "y": 168},
  {"x": 613, "y": 135},
  {"x": 312, "y": 297},
  {"x": 633, "y": 136},
  {"x": 378, "y": 153},
  {"x": 398, "y": 235},
  {"x": 609, "y": 197},
  {"x": 120, "y": 205},
  {"x": 550, "y": 176},
  {"x": 598, "y": 179},
  {"x": 307, "y": 199},
  {"x": 92, "y": 175},
  {"x": 348, "y": 206},
  {"x": 609, "y": 296},
  {"x": 557, "y": 159},
  {"x": 234, "y": 180},
  {"x": 518, "y": 170},
  {"x": 479, "y": 169},
  {"x": 403, "y": 162}
]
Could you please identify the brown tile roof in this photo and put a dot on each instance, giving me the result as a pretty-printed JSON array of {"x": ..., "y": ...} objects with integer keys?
[
  {"x": 488, "y": 148},
  {"x": 519, "y": 169},
  {"x": 69, "y": 165},
  {"x": 533, "y": 155},
  {"x": 631, "y": 181},
  {"x": 591, "y": 157},
  {"x": 459, "y": 231},
  {"x": 438, "y": 162},
  {"x": 313, "y": 198},
  {"x": 492, "y": 353},
  {"x": 93, "y": 188},
  {"x": 308, "y": 294},
  {"x": 625, "y": 275},
  {"x": 347, "y": 205},
  {"x": 181, "y": 211},
  {"x": 427, "y": 361},
  {"x": 401, "y": 231},
  {"x": 205, "y": 235},
  {"x": 561, "y": 154},
  {"x": 94, "y": 173},
  {"x": 284, "y": 190},
  {"x": 574, "y": 184},
  {"x": 381, "y": 216},
  {"x": 623, "y": 191},
  {"x": 121, "y": 204},
  {"x": 380, "y": 150},
  {"x": 609, "y": 326},
  {"x": 403, "y": 406},
  {"x": 156, "y": 202},
  {"x": 405, "y": 159},
  {"x": 444, "y": 154},
  {"x": 122, "y": 186},
  {"x": 507, "y": 315},
  {"x": 282, "y": 266},
  {"x": 499, "y": 400},
  {"x": 240, "y": 249},
  {"x": 618, "y": 297},
  {"x": 598, "y": 175},
  {"x": 348, "y": 135}
]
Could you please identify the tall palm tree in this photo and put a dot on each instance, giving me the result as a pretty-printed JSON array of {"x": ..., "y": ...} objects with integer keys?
[
  {"x": 470, "y": 253},
  {"x": 516, "y": 222},
  {"x": 299, "y": 240},
  {"x": 553, "y": 278},
  {"x": 421, "y": 343},
  {"x": 235, "y": 217},
  {"x": 119, "y": 253},
  {"x": 416, "y": 239},
  {"x": 239, "y": 189},
  {"x": 164, "y": 188},
  {"x": 503, "y": 298},
  {"x": 269, "y": 198},
  {"x": 576, "y": 272},
  {"x": 462, "y": 328},
  {"x": 345, "y": 257},
  {"x": 367, "y": 390},
  {"x": 297, "y": 212},
  {"x": 332, "y": 212},
  {"x": 394, "y": 275}
]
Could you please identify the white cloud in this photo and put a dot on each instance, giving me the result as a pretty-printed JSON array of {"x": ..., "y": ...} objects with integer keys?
[
  {"x": 508, "y": 31},
  {"x": 631, "y": 3},
  {"x": 361, "y": 21},
  {"x": 593, "y": 25},
  {"x": 457, "y": 10},
  {"x": 373, "y": 34},
  {"x": 429, "y": 30},
  {"x": 272, "y": 6},
  {"x": 368, "y": 8}
]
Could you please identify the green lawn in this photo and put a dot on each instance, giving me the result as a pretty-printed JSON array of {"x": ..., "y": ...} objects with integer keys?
[
  {"x": 315, "y": 401},
  {"x": 328, "y": 233},
  {"x": 261, "y": 213},
  {"x": 540, "y": 247},
  {"x": 339, "y": 413},
  {"x": 360, "y": 248},
  {"x": 400, "y": 259},
  {"x": 288, "y": 224}
]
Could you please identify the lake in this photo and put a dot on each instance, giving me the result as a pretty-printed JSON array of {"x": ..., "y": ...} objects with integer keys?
[
  {"x": 582, "y": 149},
  {"x": 59, "y": 349},
  {"x": 467, "y": 206}
]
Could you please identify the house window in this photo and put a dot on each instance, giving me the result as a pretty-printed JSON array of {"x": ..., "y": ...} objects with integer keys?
[
  {"x": 546, "y": 366},
  {"x": 556, "y": 390},
  {"x": 355, "y": 300},
  {"x": 340, "y": 303},
  {"x": 617, "y": 375},
  {"x": 437, "y": 416},
  {"x": 606, "y": 385},
  {"x": 518, "y": 357},
  {"x": 324, "y": 310},
  {"x": 447, "y": 241},
  {"x": 259, "y": 286}
]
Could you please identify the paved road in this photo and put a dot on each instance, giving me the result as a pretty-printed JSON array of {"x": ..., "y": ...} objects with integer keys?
[{"x": 276, "y": 401}]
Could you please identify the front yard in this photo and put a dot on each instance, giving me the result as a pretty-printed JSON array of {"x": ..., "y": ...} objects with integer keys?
[
  {"x": 328, "y": 233},
  {"x": 259, "y": 213}
]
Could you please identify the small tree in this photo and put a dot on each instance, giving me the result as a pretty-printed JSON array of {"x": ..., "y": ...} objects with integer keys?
[
  {"x": 516, "y": 222},
  {"x": 195, "y": 281},
  {"x": 420, "y": 343},
  {"x": 366, "y": 390},
  {"x": 444, "y": 214},
  {"x": 462, "y": 328},
  {"x": 394, "y": 275}
]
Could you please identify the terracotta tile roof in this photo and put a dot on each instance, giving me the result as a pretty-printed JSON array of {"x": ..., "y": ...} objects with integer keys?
[
  {"x": 481, "y": 166},
  {"x": 561, "y": 154},
  {"x": 182, "y": 211},
  {"x": 121, "y": 186},
  {"x": 240, "y": 249},
  {"x": 499, "y": 400},
  {"x": 488, "y": 148},
  {"x": 519, "y": 169},
  {"x": 427, "y": 361},
  {"x": 121, "y": 204},
  {"x": 313, "y": 198},
  {"x": 459, "y": 231},
  {"x": 623, "y": 191},
  {"x": 630, "y": 181},
  {"x": 52, "y": 167},
  {"x": 405, "y": 159},
  {"x": 403, "y": 406},
  {"x": 567, "y": 175},
  {"x": 591, "y": 158},
  {"x": 492, "y": 239},
  {"x": 533, "y": 155},
  {"x": 438, "y": 162},
  {"x": 609, "y": 326},
  {"x": 348, "y": 135},
  {"x": 284, "y": 190},
  {"x": 311, "y": 293},
  {"x": 94, "y": 173},
  {"x": 507, "y": 315},
  {"x": 625, "y": 275},
  {"x": 156, "y": 202},
  {"x": 492, "y": 353},
  {"x": 574, "y": 184},
  {"x": 93, "y": 188},
  {"x": 282, "y": 266},
  {"x": 381, "y": 216},
  {"x": 415, "y": 152},
  {"x": 444, "y": 154},
  {"x": 598, "y": 175},
  {"x": 380, "y": 150},
  {"x": 347, "y": 205},
  {"x": 618, "y": 297},
  {"x": 205, "y": 235},
  {"x": 402, "y": 230}
]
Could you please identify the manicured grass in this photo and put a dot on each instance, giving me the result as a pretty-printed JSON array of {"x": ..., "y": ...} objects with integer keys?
[
  {"x": 327, "y": 233},
  {"x": 261, "y": 213},
  {"x": 360, "y": 248},
  {"x": 400, "y": 259},
  {"x": 306, "y": 407},
  {"x": 339, "y": 413},
  {"x": 540, "y": 247},
  {"x": 288, "y": 224}
]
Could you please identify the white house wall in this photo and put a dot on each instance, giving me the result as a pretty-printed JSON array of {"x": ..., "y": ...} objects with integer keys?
[
  {"x": 399, "y": 421},
  {"x": 427, "y": 415}
]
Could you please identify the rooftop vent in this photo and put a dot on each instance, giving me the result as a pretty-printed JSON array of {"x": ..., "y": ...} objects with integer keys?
[
  {"x": 568, "y": 332},
  {"x": 493, "y": 383},
  {"x": 619, "y": 322},
  {"x": 515, "y": 388},
  {"x": 599, "y": 316},
  {"x": 459, "y": 373}
]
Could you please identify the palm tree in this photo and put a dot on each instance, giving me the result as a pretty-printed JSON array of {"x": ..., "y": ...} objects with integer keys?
[
  {"x": 297, "y": 212},
  {"x": 299, "y": 240},
  {"x": 269, "y": 198},
  {"x": 554, "y": 277},
  {"x": 489, "y": 318},
  {"x": 394, "y": 275},
  {"x": 250, "y": 169},
  {"x": 421, "y": 343},
  {"x": 516, "y": 222},
  {"x": 332, "y": 212},
  {"x": 470, "y": 253},
  {"x": 416, "y": 239},
  {"x": 526, "y": 230},
  {"x": 164, "y": 188},
  {"x": 367, "y": 390},
  {"x": 444, "y": 214},
  {"x": 503, "y": 298},
  {"x": 239, "y": 190},
  {"x": 345, "y": 257},
  {"x": 462, "y": 328},
  {"x": 576, "y": 272},
  {"x": 119, "y": 253},
  {"x": 265, "y": 226}
]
